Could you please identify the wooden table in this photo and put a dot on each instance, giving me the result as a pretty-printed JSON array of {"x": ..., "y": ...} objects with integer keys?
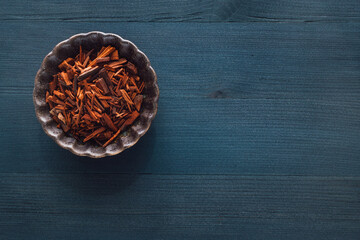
[{"x": 257, "y": 133}]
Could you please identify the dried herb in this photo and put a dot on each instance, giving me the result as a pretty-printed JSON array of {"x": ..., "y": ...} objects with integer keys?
[{"x": 95, "y": 96}]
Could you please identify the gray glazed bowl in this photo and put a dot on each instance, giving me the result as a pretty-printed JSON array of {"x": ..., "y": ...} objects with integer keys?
[{"x": 70, "y": 48}]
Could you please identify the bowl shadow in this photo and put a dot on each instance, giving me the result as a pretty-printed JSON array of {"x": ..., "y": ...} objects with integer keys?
[{"x": 105, "y": 176}]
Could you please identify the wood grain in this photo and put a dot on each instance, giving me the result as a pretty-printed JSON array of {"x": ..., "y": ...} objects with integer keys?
[
  {"x": 253, "y": 98},
  {"x": 257, "y": 134},
  {"x": 86, "y": 206},
  {"x": 186, "y": 11}
]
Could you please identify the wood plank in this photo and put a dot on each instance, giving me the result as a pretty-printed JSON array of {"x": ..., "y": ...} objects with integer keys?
[
  {"x": 260, "y": 137},
  {"x": 254, "y": 98},
  {"x": 64, "y": 206},
  {"x": 187, "y": 11},
  {"x": 227, "y": 56}
]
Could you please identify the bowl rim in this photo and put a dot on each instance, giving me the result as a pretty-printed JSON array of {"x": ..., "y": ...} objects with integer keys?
[{"x": 89, "y": 153}]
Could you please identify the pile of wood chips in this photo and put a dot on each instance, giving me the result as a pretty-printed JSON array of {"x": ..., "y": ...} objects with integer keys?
[{"x": 95, "y": 96}]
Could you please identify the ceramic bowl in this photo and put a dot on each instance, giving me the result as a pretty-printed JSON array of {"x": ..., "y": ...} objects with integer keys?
[{"x": 70, "y": 48}]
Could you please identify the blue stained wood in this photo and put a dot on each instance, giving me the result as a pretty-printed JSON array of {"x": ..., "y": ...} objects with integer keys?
[
  {"x": 116, "y": 206},
  {"x": 184, "y": 11},
  {"x": 257, "y": 134}
]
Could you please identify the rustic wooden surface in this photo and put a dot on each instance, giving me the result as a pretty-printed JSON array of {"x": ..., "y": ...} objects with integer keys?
[{"x": 257, "y": 134}]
